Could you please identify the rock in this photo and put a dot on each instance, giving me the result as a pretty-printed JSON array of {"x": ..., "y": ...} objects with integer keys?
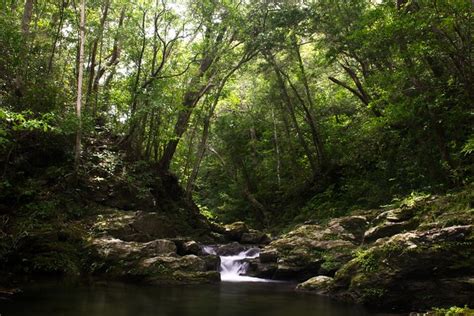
[
  {"x": 180, "y": 277},
  {"x": 268, "y": 256},
  {"x": 152, "y": 224},
  {"x": 134, "y": 226},
  {"x": 349, "y": 228},
  {"x": 175, "y": 270},
  {"x": 320, "y": 285},
  {"x": 154, "y": 262},
  {"x": 217, "y": 228},
  {"x": 7, "y": 293},
  {"x": 213, "y": 262},
  {"x": 395, "y": 215},
  {"x": 251, "y": 252},
  {"x": 191, "y": 247},
  {"x": 260, "y": 270},
  {"x": 387, "y": 229},
  {"x": 116, "y": 249},
  {"x": 306, "y": 251},
  {"x": 190, "y": 263},
  {"x": 235, "y": 230},
  {"x": 217, "y": 238},
  {"x": 394, "y": 272},
  {"x": 230, "y": 249},
  {"x": 187, "y": 247},
  {"x": 255, "y": 237},
  {"x": 296, "y": 268}
]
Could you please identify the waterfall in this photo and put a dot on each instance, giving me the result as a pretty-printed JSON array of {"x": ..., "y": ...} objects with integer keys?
[{"x": 233, "y": 267}]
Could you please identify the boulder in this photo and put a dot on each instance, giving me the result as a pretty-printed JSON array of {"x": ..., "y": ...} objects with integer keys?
[
  {"x": 307, "y": 251},
  {"x": 190, "y": 263},
  {"x": 192, "y": 248},
  {"x": 187, "y": 247},
  {"x": 260, "y": 270},
  {"x": 213, "y": 262},
  {"x": 350, "y": 228},
  {"x": 174, "y": 270},
  {"x": 217, "y": 228},
  {"x": 395, "y": 271},
  {"x": 395, "y": 215},
  {"x": 115, "y": 249},
  {"x": 255, "y": 237},
  {"x": 230, "y": 249},
  {"x": 153, "y": 262},
  {"x": 320, "y": 285},
  {"x": 134, "y": 226},
  {"x": 268, "y": 256},
  {"x": 235, "y": 230},
  {"x": 387, "y": 229}
]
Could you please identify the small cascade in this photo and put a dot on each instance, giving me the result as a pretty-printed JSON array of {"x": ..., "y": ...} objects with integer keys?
[{"x": 234, "y": 267}]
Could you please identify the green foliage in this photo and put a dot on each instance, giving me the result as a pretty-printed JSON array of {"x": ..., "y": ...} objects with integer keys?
[
  {"x": 281, "y": 112},
  {"x": 367, "y": 260},
  {"x": 452, "y": 311}
]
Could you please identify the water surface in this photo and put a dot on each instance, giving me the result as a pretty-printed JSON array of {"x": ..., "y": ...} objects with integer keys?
[{"x": 224, "y": 299}]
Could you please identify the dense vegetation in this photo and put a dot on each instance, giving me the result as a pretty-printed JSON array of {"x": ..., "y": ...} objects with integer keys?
[
  {"x": 131, "y": 132},
  {"x": 270, "y": 111}
]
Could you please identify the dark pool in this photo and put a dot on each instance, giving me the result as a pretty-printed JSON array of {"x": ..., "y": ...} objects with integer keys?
[{"x": 225, "y": 299}]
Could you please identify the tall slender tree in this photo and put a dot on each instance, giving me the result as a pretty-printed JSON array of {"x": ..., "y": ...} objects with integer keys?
[{"x": 80, "y": 75}]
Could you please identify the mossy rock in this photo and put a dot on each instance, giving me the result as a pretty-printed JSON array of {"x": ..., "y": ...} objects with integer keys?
[
  {"x": 320, "y": 285},
  {"x": 394, "y": 271}
]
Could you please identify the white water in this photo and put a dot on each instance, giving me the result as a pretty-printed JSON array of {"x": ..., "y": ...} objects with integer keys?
[{"x": 233, "y": 267}]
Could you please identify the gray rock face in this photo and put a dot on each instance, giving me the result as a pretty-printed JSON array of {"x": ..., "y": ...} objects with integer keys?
[
  {"x": 320, "y": 285},
  {"x": 187, "y": 247},
  {"x": 394, "y": 271},
  {"x": 387, "y": 229},
  {"x": 149, "y": 262},
  {"x": 235, "y": 230},
  {"x": 230, "y": 249},
  {"x": 134, "y": 226},
  {"x": 350, "y": 228},
  {"x": 268, "y": 256},
  {"x": 116, "y": 249},
  {"x": 254, "y": 237},
  {"x": 213, "y": 262},
  {"x": 189, "y": 263},
  {"x": 311, "y": 249},
  {"x": 261, "y": 270}
]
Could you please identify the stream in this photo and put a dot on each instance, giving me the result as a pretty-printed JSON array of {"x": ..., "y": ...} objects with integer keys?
[{"x": 236, "y": 295}]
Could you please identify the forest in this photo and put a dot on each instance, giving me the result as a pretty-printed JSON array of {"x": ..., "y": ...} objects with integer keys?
[{"x": 329, "y": 135}]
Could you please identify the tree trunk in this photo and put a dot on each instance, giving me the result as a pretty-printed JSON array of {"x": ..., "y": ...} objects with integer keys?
[
  {"x": 290, "y": 107},
  {"x": 191, "y": 98},
  {"x": 57, "y": 37},
  {"x": 95, "y": 46},
  {"x": 313, "y": 124},
  {"x": 27, "y": 14},
  {"x": 277, "y": 149},
  {"x": 77, "y": 152}
]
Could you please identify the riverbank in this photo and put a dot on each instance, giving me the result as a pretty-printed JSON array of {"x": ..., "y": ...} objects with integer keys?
[{"x": 410, "y": 256}]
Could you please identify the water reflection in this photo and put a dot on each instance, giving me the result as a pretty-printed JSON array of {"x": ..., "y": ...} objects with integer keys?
[{"x": 225, "y": 299}]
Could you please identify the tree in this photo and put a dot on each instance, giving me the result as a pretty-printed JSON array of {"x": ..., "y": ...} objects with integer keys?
[{"x": 80, "y": 74}]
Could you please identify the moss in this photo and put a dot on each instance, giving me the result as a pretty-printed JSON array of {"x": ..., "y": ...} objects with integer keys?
[
  {"x": 452, "y": 311},
  {"x": 368, "y": 260},
  {"x": 372, "y": 294},
  {"x": 331, "y": 265}
]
